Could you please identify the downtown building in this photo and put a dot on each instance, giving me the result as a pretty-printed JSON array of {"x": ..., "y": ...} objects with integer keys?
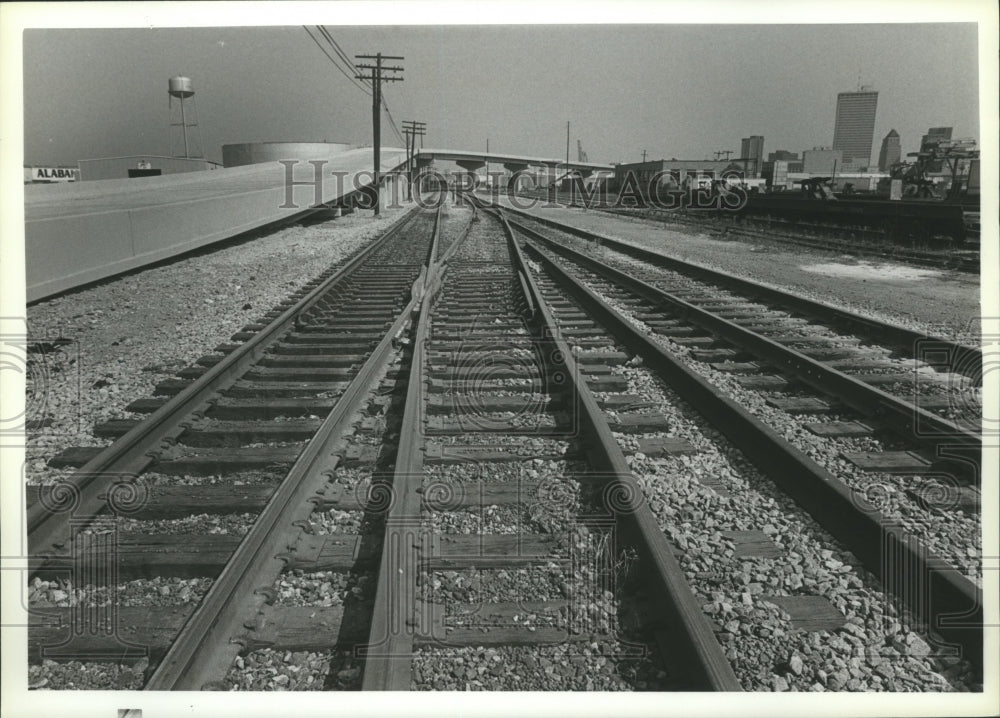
[
  {"x": 854, "y": 127},
  {"x": 752, "y": 150},
  {"x": 890, "y": 152},
  {"x": 823, "y": 161}
]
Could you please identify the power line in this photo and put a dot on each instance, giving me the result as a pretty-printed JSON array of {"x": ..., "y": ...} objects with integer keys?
[
  {"x": 392, "y": 121},
  {"x": 337, "y": 48},
  {"x": 354, "y": 74},
  {"x": 347, "y": 60},
  {"x": 336, "y": 64}
]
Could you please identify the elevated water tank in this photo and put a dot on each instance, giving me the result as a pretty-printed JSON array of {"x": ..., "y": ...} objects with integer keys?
[{"x": 180, "y": 87}]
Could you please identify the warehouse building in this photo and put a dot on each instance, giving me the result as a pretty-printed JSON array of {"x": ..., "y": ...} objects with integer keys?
[{"x": 133, "y": 166}]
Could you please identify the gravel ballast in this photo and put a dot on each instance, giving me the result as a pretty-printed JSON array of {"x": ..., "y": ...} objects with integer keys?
[
  {"x": 937, "y": 520},
  {"x": 699, "y": 497},
  {"x": 134, "y": 331}
]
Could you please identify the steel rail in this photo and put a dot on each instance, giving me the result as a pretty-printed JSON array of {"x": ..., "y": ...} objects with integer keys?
[
  {"x": 701, "y": 658},
  {"x": 954, "y": 609},
  {"x": 389, "y": 650},
  {"x": 208, "y": 642},
  {"x": 898, "y": 414},
  {"x": 965, "y": 359},
  {"x": 435, "y": 241},
  {"x": 129, "y": 455}
]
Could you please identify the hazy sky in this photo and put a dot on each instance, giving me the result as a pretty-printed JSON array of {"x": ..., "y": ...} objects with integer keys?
[{"x": 674, "y": 90}]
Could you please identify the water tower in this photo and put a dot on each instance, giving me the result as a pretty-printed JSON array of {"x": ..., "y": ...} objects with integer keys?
[{"x": 183, "y": 89}]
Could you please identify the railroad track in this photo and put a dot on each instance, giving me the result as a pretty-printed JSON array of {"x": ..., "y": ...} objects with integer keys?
[
  {"x": 498, "y": 461},
  {"x": 921, "y": 440},
  {"x": 826, "y": 238},
  {"x": 240, "y": 433},
  {"x": 479, "y": 493},
  {"x": 326, "y": 355}
]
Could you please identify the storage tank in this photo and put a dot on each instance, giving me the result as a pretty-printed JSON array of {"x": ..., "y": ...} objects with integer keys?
[{"x": 180, "y": 87}]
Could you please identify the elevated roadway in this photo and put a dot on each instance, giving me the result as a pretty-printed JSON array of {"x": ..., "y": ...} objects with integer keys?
[
  {"x": 475, "y": 160},
  {"x": 81, "y": 232}
]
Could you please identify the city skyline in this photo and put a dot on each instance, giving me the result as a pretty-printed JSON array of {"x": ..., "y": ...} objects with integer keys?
[{"x": 242, "y": 98}]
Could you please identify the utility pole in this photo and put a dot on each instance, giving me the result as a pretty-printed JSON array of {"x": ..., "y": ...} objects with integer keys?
[
  {"x": 376, "y": 78},
  {"x": 644, "y": 155},
  {"x": 719, "y": 153},
  {"x": 412, "y": 128},
  {"x": 409, "y": 161},
  {"x": 566, "y": 171}
]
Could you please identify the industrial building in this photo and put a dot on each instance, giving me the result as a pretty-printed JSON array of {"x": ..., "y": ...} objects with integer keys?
[
  {"x": 934, "y": 137},
  {"x": 132, "y": 166},
  {"x": 865, "y": 182},
  {"x": 644, "y": 172}
]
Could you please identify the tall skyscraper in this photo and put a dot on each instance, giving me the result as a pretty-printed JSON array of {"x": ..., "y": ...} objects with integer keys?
[
  {"x": 752, "y": 148},
  {"x": 855, "y": 126},
  {"x": 890, "y": 152}
]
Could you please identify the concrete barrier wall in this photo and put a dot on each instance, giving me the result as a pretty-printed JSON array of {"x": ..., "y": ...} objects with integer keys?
[{"x": 76, "y": 237}]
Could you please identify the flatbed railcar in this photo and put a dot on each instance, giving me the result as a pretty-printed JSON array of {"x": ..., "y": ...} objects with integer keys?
[{"x": 917, "y": 222}]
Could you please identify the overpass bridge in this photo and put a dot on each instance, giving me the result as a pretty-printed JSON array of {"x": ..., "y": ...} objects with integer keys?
[{"x": 471, "y": 162}]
